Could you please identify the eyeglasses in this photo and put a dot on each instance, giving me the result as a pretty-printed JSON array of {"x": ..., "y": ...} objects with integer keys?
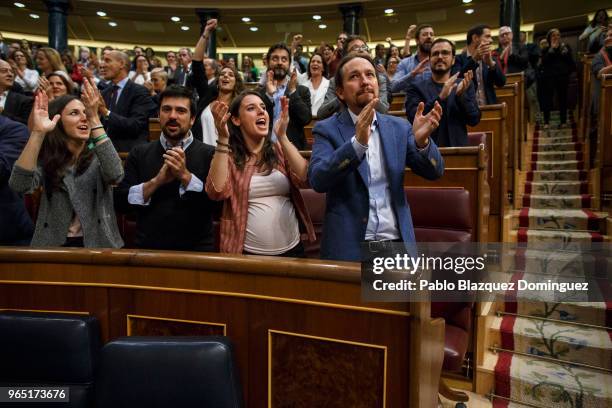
[
  {"x": 364, "y": 48},
  {"x": 443, "y": 53}
]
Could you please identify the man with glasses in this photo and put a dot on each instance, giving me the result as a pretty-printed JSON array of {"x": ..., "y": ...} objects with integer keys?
[
  {"x": 355, "y": 45},
  {"x": 415, "y": 68},
  {"x": 511, "y": 58},
  {"x": 456, "y": 96},
  {"x": 279, "y": 81}
]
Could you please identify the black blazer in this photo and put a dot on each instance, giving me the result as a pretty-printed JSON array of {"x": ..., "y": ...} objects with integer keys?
[
  {"x": 15, "y": 224},
  {"x": 492, "y": 77},
  {"x": 458, "y": 112},
  {"x": 300, "y": 113},
  {"x": 18, "y": 107},
  {"x": 128, "y": 125}
]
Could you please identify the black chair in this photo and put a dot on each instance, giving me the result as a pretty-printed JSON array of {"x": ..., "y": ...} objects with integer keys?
[
  {"x": 49, "y": 349},
  {"x": 168, "y": 372}
]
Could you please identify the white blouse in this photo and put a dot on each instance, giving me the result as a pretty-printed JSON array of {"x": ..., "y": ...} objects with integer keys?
[
  {"x": 272, "y": 225},
  {"x": 139, "y": 79},
  {"x": 317, "y": 96},
  {"x": 29, "y": 82},
  {"x": 209, "y": 131}
]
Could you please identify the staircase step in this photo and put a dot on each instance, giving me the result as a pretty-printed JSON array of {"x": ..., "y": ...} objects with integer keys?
[
  {"x": 556, "y": 175},
  {"x": 590, "y": 313},
  {"x": 557, "y": 187},
  {"x": 557, "y": 165},
  {"x": 556, "y": 147},
  {"x": 557, "y": 201},
  {"x": 565, "y": 238},
  {"x": 550, "y": 385},
  {"x": 562, "y": 341},
  {"x": 559, "y": 219},
  {"x": 555, "y": 133},
  {"x": 549, "y": 156}
]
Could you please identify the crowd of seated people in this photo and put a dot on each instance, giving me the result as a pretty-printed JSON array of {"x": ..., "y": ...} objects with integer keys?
[{"x": 222, "y": 143}]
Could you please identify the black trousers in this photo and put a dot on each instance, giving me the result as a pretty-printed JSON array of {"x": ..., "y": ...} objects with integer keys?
[{"x": 550, "y": 86}]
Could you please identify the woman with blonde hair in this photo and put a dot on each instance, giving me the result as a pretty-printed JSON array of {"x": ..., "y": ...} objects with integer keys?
[{"x": 48, "y": 61}]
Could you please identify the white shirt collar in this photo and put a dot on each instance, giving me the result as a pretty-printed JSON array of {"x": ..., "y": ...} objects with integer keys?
[
  {"x": 183, "y": 143},
  {"x": 121, "y": 84}
]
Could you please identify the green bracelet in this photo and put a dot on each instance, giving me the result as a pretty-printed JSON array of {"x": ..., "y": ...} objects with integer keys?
[{"x": 94, "y": 140}]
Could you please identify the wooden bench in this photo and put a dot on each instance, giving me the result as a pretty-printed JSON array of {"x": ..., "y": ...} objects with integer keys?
[
  {"x": 398, "y": 102},
  {"x": 154, "y": 129},
  {"x": 494, "y": 120},
  {"x": 465, "y": 167}
]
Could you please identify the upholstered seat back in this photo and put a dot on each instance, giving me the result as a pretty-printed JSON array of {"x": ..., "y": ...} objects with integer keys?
[
  {"x": 441, "y": 214},
  {"x": 50, "y": 349},
  {"x": 181, "y": 372}
]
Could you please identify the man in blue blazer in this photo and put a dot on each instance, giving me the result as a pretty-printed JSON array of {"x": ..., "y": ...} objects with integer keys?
[
  {"x": 358, "y": 159},
  {"x": 456, "y": 96}
]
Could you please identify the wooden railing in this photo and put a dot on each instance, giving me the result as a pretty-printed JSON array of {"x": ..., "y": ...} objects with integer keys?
[{"x": 296, "y": 324}]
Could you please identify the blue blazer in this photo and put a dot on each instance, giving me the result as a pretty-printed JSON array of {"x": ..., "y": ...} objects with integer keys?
[{"x": 336, "y": 170}]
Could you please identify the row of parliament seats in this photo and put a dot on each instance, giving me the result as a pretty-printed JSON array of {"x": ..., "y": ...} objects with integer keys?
[{"x": 126, "y": 372}]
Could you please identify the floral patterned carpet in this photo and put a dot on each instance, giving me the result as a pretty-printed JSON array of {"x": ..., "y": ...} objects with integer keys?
[{"x": 548, "y": 335}]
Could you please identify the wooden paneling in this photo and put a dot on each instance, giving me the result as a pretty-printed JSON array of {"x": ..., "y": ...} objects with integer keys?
[
  {"x": 154, "y": 129},
  {"x": 603, "y": 157},
  {"x": 248, "y": 296},
  {"x": 494, "y": 120},
  {"x": 509, "y": 95}
]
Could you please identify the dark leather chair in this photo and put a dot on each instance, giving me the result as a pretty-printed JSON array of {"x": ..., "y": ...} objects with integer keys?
[
  {"x": 453, "y": 224},
  {"x": 168, "y": 372},
  {"x": 315, "y": 205},
  {"x": 49, "y": 349}
]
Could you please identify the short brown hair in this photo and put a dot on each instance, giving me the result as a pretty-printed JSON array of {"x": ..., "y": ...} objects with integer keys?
[{"x": 338, "y": 78}]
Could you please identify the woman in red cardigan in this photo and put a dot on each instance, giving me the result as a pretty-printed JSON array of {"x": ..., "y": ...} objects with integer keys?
[{"x": 258, "y": 179}]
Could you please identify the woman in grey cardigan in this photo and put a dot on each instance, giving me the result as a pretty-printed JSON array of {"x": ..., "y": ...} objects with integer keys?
[{"x": 72, "y": 158}]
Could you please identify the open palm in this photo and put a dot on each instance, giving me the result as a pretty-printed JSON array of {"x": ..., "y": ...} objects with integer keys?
[{"x": 40, "y": 115}]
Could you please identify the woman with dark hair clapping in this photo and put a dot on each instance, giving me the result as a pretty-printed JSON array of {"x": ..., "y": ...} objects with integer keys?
[
  {"x": 258, "y": 180},
  {"x": 70, "y": 156}
]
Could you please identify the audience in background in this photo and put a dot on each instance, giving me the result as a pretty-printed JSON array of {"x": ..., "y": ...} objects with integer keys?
[
  {"x": 557, "y": 65},
  {"x": 316, "y": 82},
  {"x": 479, "y": 58},
  {"x": 258, "y": 179},
  {"x": 456, "y": 96},
  {"x": 142, "y": 74},
  {"x": 224, "y": 88},
  {"x": 594, "y": 34},
  {"x": 602, "y": 64},
  {"x": 126, "y": 106},
  {"x": 70, "y": 157},
  {"x": 249, "y": 70},
  {"x": 157, "y": 84},
  {"x": 279, "y": 82},
  {"x": 48, "y": 61},
  {"x": 380, "y": 57},
  {"x": 164, "y": 181},
  {"x": 391, "y": 67},
  {"x": 331, "y": 104},
  {"x": 183, "y": 73},
  {"x": 409, "y": 35},
  {"x": 25, "y": 75},
  {"x": 512, "y": 58},
  {"x": 13, "y": 105},
  {"x": 338, "y": 53},
  {"x": 415, "y": 68}
]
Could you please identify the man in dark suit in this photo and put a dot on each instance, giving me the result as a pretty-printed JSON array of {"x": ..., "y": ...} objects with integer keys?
[
  {"x": 479, "y": 58},
  {"x": 512, "y": 57},
  {"x": 456, "y": 96},
  {"x": 164, "y": 181},
  {"x": 281, "y": 82},
  {"x": 127, "y": 107},
  {"x": 13, "y": 105},
  {"x": 358, "y": 159},
  {"x": 16, "y": 227}
]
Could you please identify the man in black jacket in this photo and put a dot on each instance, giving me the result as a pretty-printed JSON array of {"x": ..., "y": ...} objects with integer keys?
[
  {"x": 13, "y": 105},
  {"x": 127, "y": 107},
  {"x": 479, "y": 59},
  {"x": 164, "y": 181},
  {"x": 512, "y": 57},
  {"x": 456, "y": 96},
  {"x": 281, "y": 82},
  {"x": 16, "y": 227}
]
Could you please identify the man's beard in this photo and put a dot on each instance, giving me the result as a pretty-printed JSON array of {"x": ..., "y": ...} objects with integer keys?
[
  {"x": 425, "y": 47},
  {"x": 440, "y": 71},
  {"x": 280, "y": 73},
  {"x": 180, "y": 132}
]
